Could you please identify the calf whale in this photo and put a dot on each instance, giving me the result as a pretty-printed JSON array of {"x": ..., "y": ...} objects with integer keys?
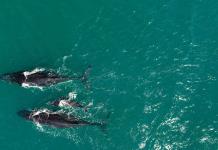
[
  {"x": 64, "y": 102},
  {"x": 40, "y": 77},
  {"x": 67, "y": 102},
  {"x": 55, "y": 119}
]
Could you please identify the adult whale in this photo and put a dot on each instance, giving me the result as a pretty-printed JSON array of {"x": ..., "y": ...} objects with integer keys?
[
  {"x": 55, "y": 119},
  {"x": 40, "y": 77}
]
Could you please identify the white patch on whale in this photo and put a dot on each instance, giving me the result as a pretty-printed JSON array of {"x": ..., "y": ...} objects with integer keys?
[{"x": 63, "y": 103}]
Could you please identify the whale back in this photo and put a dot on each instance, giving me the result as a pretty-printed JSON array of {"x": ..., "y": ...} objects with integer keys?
[{"x": 44, "y": 78}]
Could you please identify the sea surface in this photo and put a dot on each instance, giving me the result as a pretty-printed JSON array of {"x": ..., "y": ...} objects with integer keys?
[{"x": 153, "y": 80}]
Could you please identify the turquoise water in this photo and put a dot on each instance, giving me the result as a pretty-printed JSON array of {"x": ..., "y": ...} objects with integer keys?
[{"x": 154, "y": 69}]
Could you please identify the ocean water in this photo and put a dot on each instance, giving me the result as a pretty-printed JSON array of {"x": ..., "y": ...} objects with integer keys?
[{"x": 154, "y": 70}]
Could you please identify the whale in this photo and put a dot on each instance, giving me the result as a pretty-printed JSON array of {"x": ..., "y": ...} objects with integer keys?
[
  {"x": 55, "y": 119},
  {"x": 65, "y": 103},
  {"x": 40, "y": 77}
]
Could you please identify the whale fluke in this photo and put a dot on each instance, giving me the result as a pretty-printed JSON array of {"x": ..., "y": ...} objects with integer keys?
[
  {"x": 84, "y": 77},
  {"x": 86, "y": 73}
]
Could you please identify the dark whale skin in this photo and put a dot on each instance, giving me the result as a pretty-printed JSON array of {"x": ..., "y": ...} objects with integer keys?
[
  {"x": 57, "y": 120},
  {"x": 40, "y": 78}
]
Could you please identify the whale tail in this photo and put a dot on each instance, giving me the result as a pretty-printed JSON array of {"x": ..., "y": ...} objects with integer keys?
[
  {"x": 102, "y": 126},
  {"x": 85, "y": 75}
]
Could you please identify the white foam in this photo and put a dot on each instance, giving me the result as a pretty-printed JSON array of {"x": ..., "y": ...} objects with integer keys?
[
  {"x": 90, "y": 104},
  {"x": 41, "y": 111},
  {"x": 142, "y": 145},
  {"x": 27, "y": 85},
  {"x": 168, "y": 147},
  {"x": 27, "y": 73},
  {"x": 72, "y": 95},
  {"x": 190, "y": 65},
  {"x": 39, "y": 126}
]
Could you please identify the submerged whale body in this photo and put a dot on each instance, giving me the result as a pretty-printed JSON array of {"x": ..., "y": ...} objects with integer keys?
[
  {"x": 55, "y": 119},
  {"x": 39, "y": 77}
]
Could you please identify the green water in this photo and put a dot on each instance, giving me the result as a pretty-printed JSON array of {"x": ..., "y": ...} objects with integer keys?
[{"x": 154, "y": 69}]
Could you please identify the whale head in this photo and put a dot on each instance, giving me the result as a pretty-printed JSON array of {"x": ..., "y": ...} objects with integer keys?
[
  {"x": 24, "y": 114},
  {"x": 17, "y": 77}
]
